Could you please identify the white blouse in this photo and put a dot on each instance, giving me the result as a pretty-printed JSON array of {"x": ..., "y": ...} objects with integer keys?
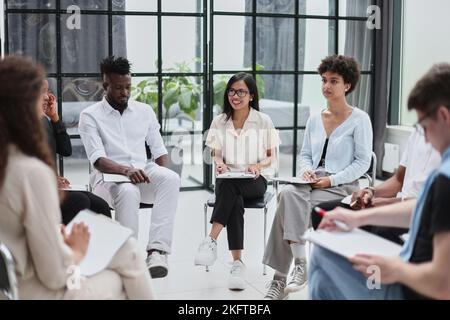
[{"x": 247, "y": 147}]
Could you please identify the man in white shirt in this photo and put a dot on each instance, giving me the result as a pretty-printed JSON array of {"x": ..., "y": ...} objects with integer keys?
[{"x": 114, "y": 132}]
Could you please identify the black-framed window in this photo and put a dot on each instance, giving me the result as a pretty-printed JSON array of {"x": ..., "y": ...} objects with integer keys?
[
  {"x": 148, "y": 33},
  {"x": 281, "y": 42}
]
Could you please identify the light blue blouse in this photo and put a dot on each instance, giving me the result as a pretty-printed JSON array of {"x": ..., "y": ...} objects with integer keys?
[{"x": 349, "y": 149}]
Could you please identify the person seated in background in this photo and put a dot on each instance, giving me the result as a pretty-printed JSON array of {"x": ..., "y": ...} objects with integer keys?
[
  {"x": 418, "y": 160},
  {"x": 336, "y": 152},
  {"x": 421, "y": 269},
  {"x": 30, "y": 210},
  {"x": 114, "y": 132},
  {"x": 240, "y": 127},
  {"x": 59, "y": 142}
]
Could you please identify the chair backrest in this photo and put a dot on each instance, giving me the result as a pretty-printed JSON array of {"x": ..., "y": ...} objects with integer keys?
[
  {"x": 8, "y": 282},
  {"x": 371, "y": 174}
]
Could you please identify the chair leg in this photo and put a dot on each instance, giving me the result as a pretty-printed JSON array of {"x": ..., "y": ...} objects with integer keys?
[
  {"x": 206, "y": 226},
  {"x": 265, "y": 237}
]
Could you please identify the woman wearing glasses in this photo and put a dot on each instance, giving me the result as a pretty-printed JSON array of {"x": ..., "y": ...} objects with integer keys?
[
  {"x": 242, "y": 139},
  {"x": 336, "y": 152}
]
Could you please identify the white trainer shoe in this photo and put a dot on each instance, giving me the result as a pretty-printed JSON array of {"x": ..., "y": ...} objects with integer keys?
[
  {"x": 157, "y": 264},
  {"x": 276, "y": 290},
  {"x": 237, "y": 276},
  {"x": 298, "y": 277},
  {"x": 207, "y": 253}
]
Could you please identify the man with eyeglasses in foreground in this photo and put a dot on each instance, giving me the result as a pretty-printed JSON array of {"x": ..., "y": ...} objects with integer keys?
[{"x": 421, "y": 270}]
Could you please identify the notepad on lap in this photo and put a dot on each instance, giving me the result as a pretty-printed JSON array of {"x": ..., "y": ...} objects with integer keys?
[
  {"x": 111, "y": 177},
  {"x": 293, "y": 180},
  {"x": 235, "y": 175},
  {"x": 107, "y": 237},
  {"x": 347, "y": 200},
  {"x": 349, "y": 244}
]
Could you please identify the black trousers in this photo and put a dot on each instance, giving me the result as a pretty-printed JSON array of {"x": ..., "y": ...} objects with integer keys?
[
  {"x": 390, "y": 233},
  {"x": 75, "y": 201},
  {"x": 229, "y": 206}
]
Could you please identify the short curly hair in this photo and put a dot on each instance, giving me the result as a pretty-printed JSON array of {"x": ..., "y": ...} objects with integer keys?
[{"x": 345, "y": 66}]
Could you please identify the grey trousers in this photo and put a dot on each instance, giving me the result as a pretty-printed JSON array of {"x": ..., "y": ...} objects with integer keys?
[{"x": 292, "y": 219}]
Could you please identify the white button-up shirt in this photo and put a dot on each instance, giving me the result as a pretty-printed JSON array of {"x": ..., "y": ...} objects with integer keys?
[
  {"x": 247, "y": 147},
  {"x": 121, "y": 137},
  {"x": 419, "y": 159}
]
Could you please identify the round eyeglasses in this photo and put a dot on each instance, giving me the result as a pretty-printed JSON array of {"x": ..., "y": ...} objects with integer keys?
[{"x": 240, "y": 93}]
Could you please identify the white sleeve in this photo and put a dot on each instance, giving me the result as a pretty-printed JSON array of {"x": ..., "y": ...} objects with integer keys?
[
  {"x": 91, "y": 138},
  {"x": 153, "y": 138}
]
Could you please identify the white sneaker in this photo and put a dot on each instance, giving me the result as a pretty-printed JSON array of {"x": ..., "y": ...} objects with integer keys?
[
  {"x": 276, "y": 290},
  {"x": 298, "y": 277},
  {"x": 207, "y": 253},
  {"x": 237, "y": 276},
  {"x": 157, "y": 264}
]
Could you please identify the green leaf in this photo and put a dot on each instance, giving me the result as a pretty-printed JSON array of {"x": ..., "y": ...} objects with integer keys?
[{"x": 170, "y": 97}]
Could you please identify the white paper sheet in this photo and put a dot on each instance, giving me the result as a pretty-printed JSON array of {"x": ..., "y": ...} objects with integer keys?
[
  {"x": 111, "y": 177},
  {"x": 293, "y": 180},
  {"x": 235, "y": 175},
  {"x": 107, "y": 237},
  {"x": 347, "y": 200},
  {"x": 349, "y": 244}
]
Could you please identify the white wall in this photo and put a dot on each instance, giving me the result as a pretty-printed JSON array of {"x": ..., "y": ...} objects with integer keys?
[{"x": 426, "y": 37}]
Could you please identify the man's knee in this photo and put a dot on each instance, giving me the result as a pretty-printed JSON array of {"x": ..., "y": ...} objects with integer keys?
[{"x": 127, "y": 191}]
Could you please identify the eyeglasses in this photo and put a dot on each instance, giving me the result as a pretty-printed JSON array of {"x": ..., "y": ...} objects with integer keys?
[
  {"x": 240, "y": 93},
  {"x": 421, "y": 129}
]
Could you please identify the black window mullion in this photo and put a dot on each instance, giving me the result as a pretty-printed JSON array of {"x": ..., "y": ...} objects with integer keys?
[
  {"x": 160, "y": 97},
  {"x": 296, "y": 82},
  {"x": 5, "y": 3},
  {"x": 58, "y": 76},
  {"x": 110, "y": 29}
]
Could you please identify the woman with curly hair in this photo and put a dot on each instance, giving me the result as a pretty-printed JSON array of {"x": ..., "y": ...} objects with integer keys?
[
  {"x": 30, "y": 215},
  {"x": 336, "y": 152}
]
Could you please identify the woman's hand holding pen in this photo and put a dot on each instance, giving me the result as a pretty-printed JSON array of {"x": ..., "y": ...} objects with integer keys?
[
  {"x": 310, "y": 175},
  {"x": 222, "y": 168},
  {"x": 255, "y": 170}
]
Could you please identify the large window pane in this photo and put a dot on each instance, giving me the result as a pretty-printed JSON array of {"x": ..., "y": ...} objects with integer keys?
[
  {"x": 182, "y": 6},
  {"x": 182, "y": 51},
  {"x": 361, "y": 97},
  {"x": 136, "y": 5},
  {"x": 230, "y": 49},
  {"x": 231, "y": 5},
  {"x": 76, "y": 167},
  {"x": 185, "y": 152},
  {"x": 354, "y": 8},
  {"x": 31, "y": 4},
  {"x": 33, "y": 35},
  {"x": 145, "y": 90},
  {"x": 318, "y": 42},
  {"x": 286, "y": 153},
  {"x": 82, "y": 50},
  {"x": 139, "y": 42},
  {"x": 356, "y": 40},
  {"x": 310, "y": 95},
  {"x": 86, "y": 4},
  {"x": 317, "y": 7},
  {"x": 280, "y": 6},
  {"x": 275, "y": 43},
  {"x": 78, "y": 94},
  {"x": 182, "y": 104},
  {"x": 277, "y": 96}
]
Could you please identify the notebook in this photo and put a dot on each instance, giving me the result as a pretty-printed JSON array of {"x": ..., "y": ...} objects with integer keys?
[
  {"x": 349, "y": 244},
  {"x": 111, "y": 177},
  {"x": 107, "y": 237},
  {"x": 293, "y": 180},
  {"x": 235, "y": 175}
]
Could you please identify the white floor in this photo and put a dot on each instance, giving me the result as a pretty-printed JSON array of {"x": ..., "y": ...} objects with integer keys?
[{"x": 188, "y": 282}]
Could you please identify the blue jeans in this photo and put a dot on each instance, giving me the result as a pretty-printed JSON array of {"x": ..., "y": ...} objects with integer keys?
[{"x": 332, "y": 277}]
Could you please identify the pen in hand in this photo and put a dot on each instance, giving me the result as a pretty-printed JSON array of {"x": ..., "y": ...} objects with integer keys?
[{"x": 339, "y": 224}]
